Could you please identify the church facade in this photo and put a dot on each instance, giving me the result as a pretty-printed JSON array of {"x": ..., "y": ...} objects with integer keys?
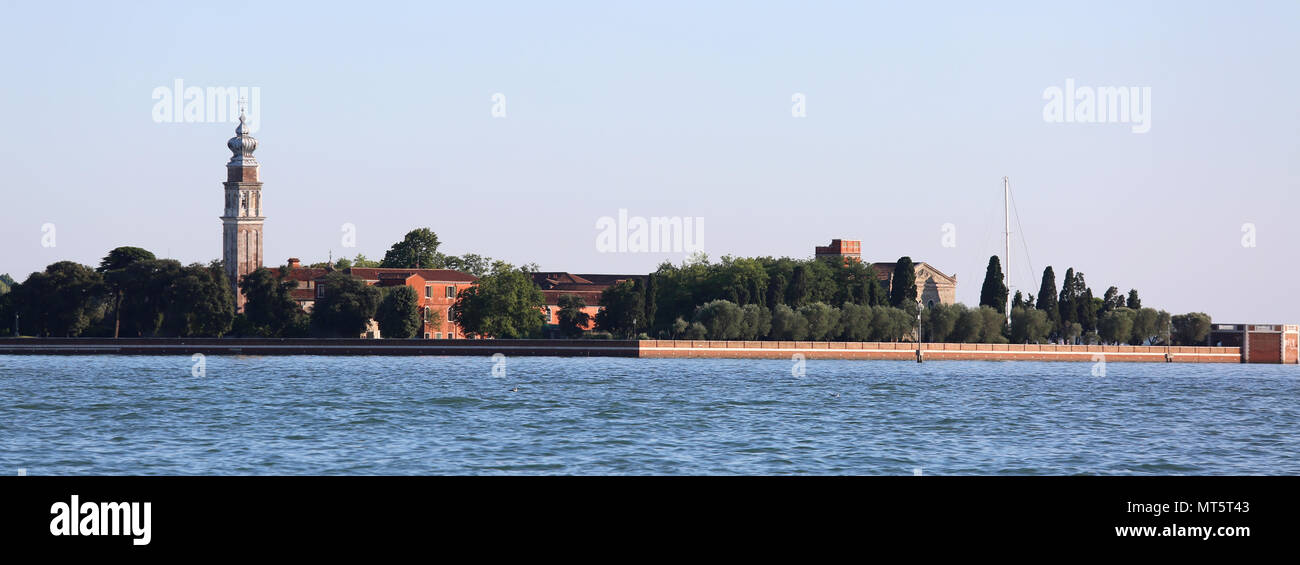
[{"x": 932, "y": 285}]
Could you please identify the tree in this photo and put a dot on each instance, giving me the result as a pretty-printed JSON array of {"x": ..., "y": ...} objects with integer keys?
[
  {"x": 891, "y": 324},
  {"x": 1047, "y": 299},
  {"x": 1067, "y": 304},
  {"x": 1111, "y": 300},
  {"x": 269, "y": 307},
  {"x": 419, "y": 249},
  {"x": 62, "y": 300},
  {"x": 503, "y": 304},
  {"x": 902, "y": 288},
  {"x": 112, "y": 266},
  {"x": 1116, "y": 326},
  {"x": 1134, "y": 302},
  {"x": 651, "y": 304},
  {"x": 823, "y": 320},
  {"x": 855, "y": 321},
  {"x": 1192, "y": 328},
  {"x": 993, "y": 325},
  {"x": 398, "y": 313},
  {"x": 198, "y": 302},
  {"x": 1146, "y": 327},
  {"x": 798, "y": 287},
  {"x": 360, "y": 261},
  {"x": 721, "y": 319},
  {"x": 622, "y": 309},
  {"x": 941, "y": 320},
  {"x": 968, "y": 326},
  {"x": 345, "y": 308},
  {"x": 787, "y": 324},
  {"x": 144, "y": 286},
  {"x": 571, "y": 318},
  {"x": 994, "y": 292},
  {"x": 471, "y": 263},
  {"x": 1029, "y": 325},
  {"x": 756, "y": 323}
]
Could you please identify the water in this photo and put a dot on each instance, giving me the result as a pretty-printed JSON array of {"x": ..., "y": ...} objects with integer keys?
[{"x": 140, "y": 415}]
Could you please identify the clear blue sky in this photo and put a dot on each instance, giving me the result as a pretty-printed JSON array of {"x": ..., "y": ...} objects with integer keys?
[{"x": 379, "y": 115}]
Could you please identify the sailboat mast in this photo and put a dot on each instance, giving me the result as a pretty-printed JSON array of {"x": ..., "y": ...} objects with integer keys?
[{"x": 1006, "y": 263}]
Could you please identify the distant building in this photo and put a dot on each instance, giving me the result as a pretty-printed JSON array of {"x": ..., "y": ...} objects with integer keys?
[
  {"x": 932, "y": 285},
  {"x": 555, "y": 284},
  {"x": 1259, "y": 343},
  {"x": 849, "y": 249},
  {"x": 435, "y": 289}
]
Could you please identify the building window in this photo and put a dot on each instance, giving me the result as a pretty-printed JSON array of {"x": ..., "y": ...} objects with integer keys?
[
  {"x": 449, "y": 315},
  {"x": 428, "y": 291},
  {"x": 320, "y": 290},
  {"x": 437, "y": 335},
  {"x": 426, "y": 335},
  {"x": 548, "y": 314},
  {"x": 451, "y": 291}
]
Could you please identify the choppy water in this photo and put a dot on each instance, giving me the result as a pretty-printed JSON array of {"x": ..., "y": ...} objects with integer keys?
[{"x": 450, "y": 415}]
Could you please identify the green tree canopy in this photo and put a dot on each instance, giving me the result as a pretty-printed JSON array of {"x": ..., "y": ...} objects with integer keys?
[
  {"x": 61, "y": 301},
  {"x": 269, "y": 307},
  {"x": 622, "y": 309},
  {"x": 503, "y": 304},
  {"x": 1029, "y": 325},
  {"x": 198, "y": 302},
  {"x": 994, "y": 292},
  {"x": 1047, "y": 299},
  {"x": 1190, "y": 329},
  {"x": 787, "y": 324},
  {"x": 571, "y": 318},
  {"x": 722, "y": 319},
  {"x": 345, "y": 308},
  {"x": 398, "y": 313},
  {"x": 417, "y": 250},
  {"x": 902, "y": 290}
]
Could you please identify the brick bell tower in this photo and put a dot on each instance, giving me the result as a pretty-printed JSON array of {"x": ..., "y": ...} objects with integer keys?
[{"x": 241, "y": 236}]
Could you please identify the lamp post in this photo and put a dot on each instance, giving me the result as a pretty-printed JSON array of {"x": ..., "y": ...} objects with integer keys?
[{"x": 920, "y": 358}]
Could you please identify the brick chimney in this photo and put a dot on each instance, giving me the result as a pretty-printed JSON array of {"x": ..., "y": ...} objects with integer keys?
[{"x": 294, "y": 263}]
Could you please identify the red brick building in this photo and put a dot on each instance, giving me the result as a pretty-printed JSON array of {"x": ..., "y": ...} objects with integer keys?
[
  {"x": 435, "y": 289},
  {"x": 1259, "y": 343},
  {"x": 588, "y": 287}
]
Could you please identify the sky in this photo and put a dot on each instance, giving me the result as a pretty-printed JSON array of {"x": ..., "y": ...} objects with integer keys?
[{"x": 511, "y": 129}]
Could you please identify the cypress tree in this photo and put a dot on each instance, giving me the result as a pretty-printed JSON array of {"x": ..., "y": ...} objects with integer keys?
[
  {"x": 1134, "y": 302},
  {"x": 902, "y": 291},
  {"x": 1047, "y": 298},
  {"x": 1066, "y": 303},
  {"x": 798, "y": 286},
  {"x": 994, "y": 292},
  {"x": 651, "y": 290}
]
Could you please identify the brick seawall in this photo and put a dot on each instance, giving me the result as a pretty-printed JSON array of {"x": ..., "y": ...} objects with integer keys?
[
  {"x": 616, "y": 348},
  {"x": 935, "y": 351}
]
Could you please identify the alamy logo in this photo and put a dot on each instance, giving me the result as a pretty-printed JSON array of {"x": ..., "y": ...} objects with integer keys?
[
  {"x": 661, "y": 234},
  {"x": 75, "y": 518},
  {"x": 211, "y": 105},
  {"x": 1104, "y": 105}
]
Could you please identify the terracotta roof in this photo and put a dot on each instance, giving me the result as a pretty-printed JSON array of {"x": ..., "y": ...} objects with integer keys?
[
  {"x": 431, "y": 275},
  {"x": 302, "y": 273}
]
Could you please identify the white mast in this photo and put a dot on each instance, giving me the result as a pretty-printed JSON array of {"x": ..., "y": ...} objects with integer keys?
[{"x": 1006, "y": 263}]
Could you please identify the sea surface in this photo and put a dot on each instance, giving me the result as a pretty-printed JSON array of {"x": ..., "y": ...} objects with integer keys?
[{"x": 306, "y": 415}]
